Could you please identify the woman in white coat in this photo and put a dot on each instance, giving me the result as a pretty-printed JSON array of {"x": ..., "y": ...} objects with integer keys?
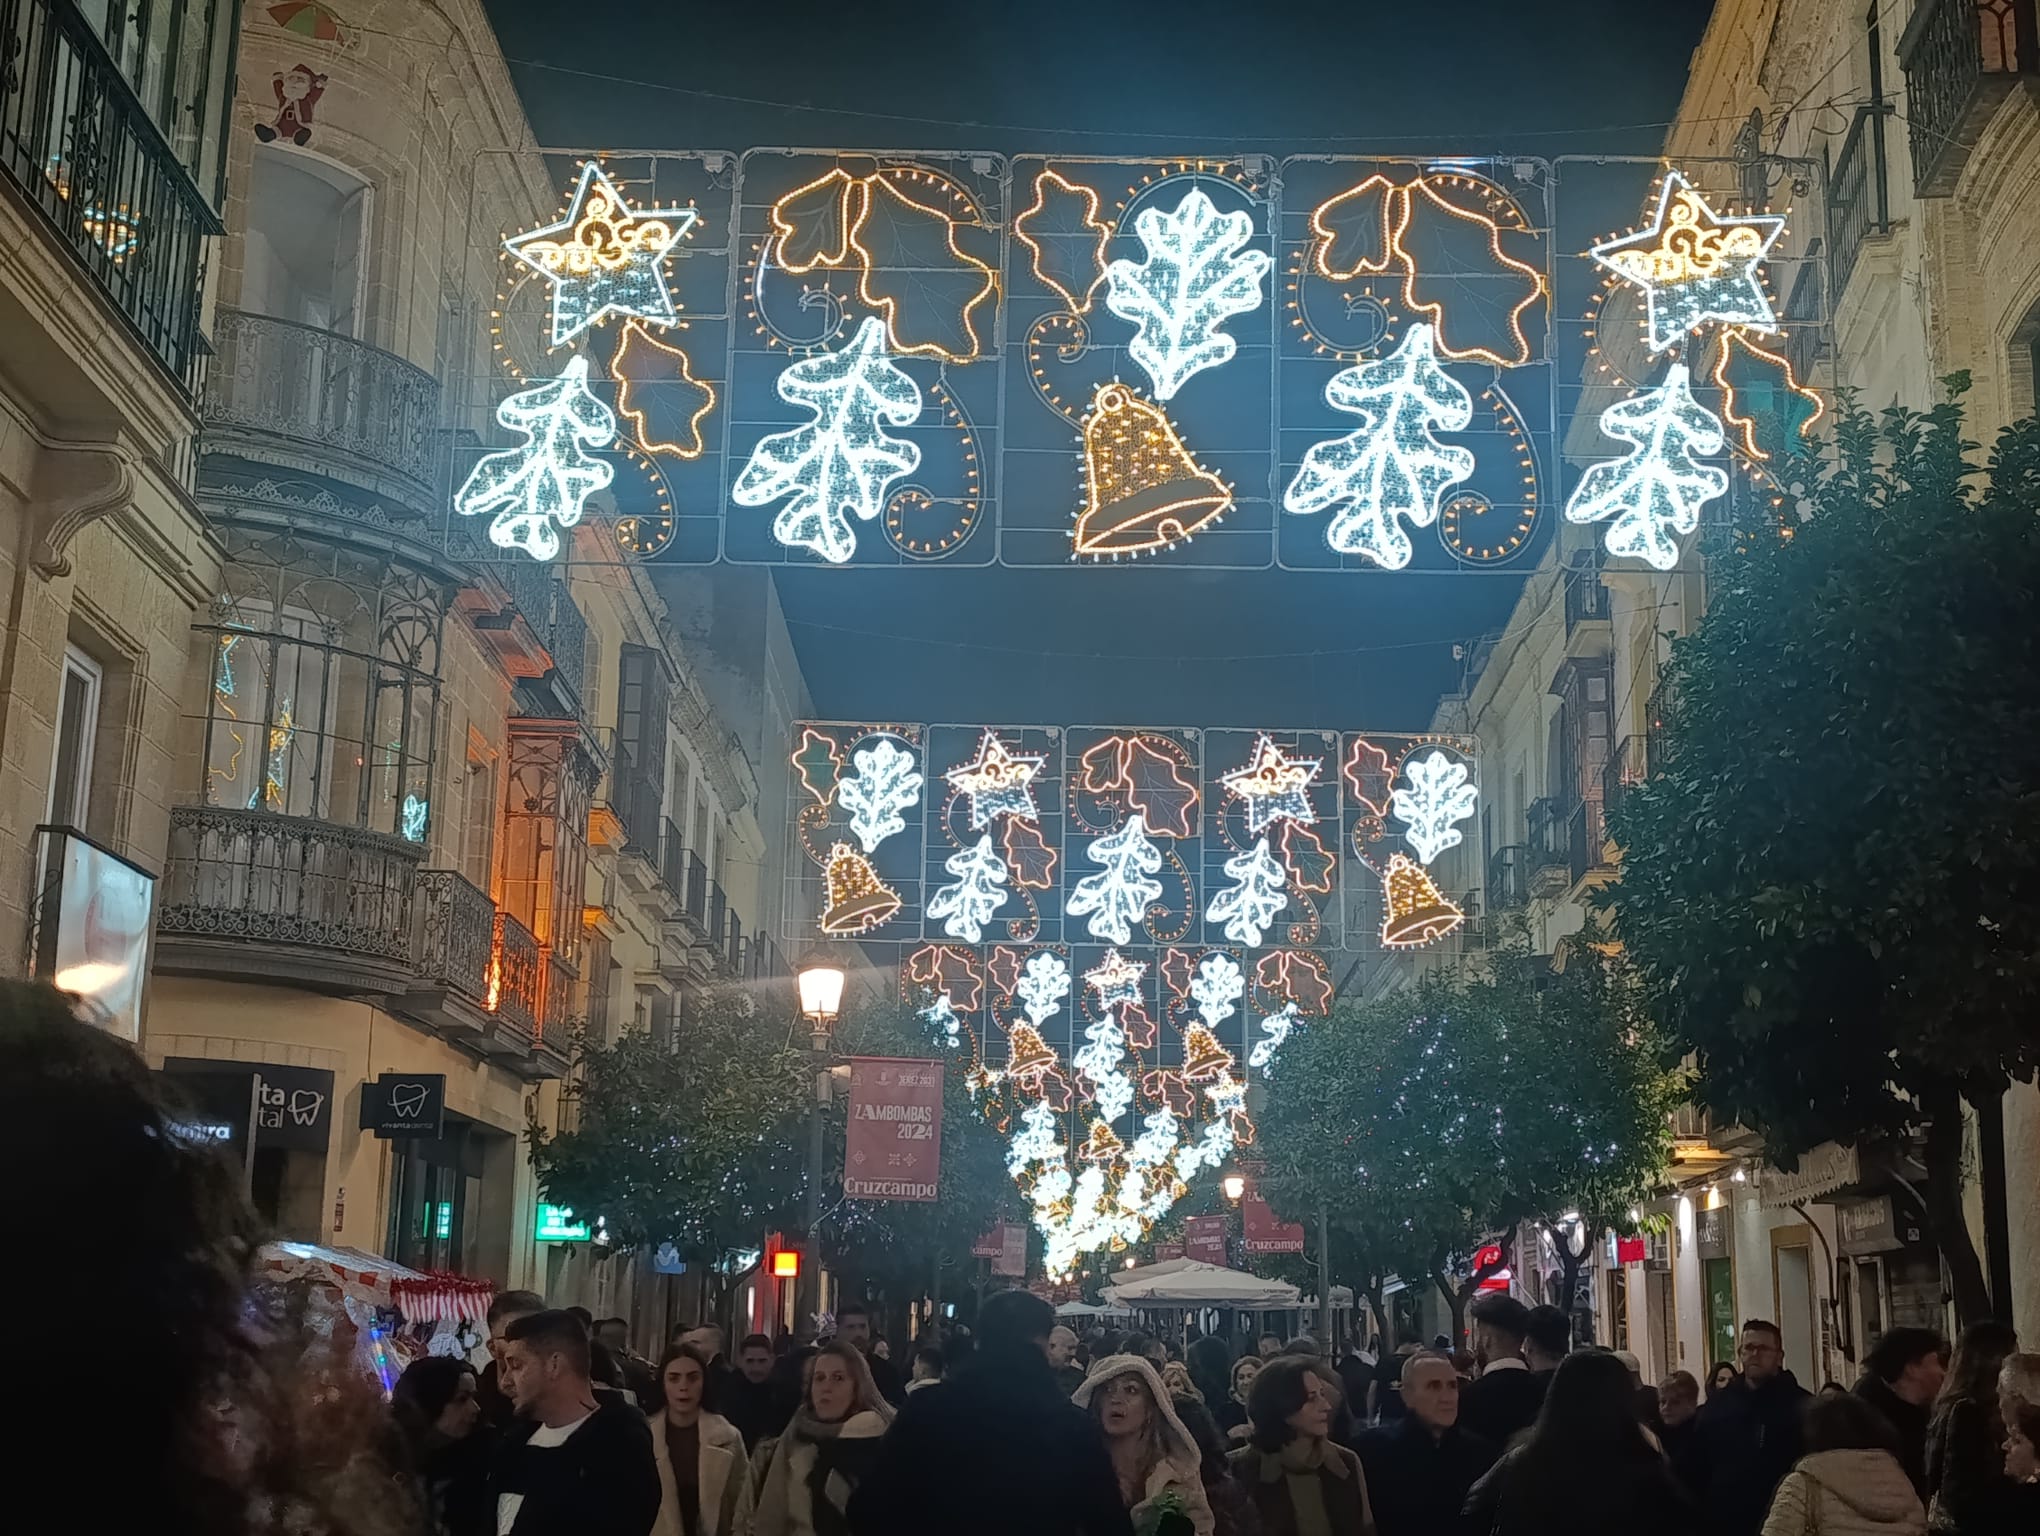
[
  {"x": 704, "y": 1475},
  {"x": 1159, "y": 1465}
]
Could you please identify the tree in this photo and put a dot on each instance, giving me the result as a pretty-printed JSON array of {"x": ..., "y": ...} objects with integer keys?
[
  {"x": 696, "y": 1141},
  {"x": 1658, "y": 488},
  {"x": 1830, "y": 885},
  {"x": 543, "y": 486},
  {"x": 1391, "y": 467}
]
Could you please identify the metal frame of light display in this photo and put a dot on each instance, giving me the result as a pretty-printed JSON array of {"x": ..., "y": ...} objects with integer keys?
[
  {"x": 1338, "y": 363},
  {"x": 1116, "y": 928}
]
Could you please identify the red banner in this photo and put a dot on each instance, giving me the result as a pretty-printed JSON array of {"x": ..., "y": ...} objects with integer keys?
[
  {"x": 1166, "y": 1251},
  {"x": 893, "y": 1148},
  {"x": 1204, "y": 1239},
  {"x": 1265, "y": 1234},
  {"x": 1630, "y": 1250},
  {"x": 1005, "y": 1244}
]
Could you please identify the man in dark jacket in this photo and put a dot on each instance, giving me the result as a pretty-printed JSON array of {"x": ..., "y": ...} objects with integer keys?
[
  {"x": 853, "y": 1327},
  {"x": 1747, "y": 1437},
  {"x": 506, "y": 1309},
  {"x": 999, "y": 1451},
  {"x": 1505, "y": 1398},
  {"x": 749, "y": 1400},
  {"x": 573, "y": 1463},
  {"x": 1420, "y": 1470},
  {"x": 1902, "y": 1376}
]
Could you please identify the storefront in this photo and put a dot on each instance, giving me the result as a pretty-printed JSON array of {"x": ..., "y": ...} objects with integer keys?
[
  {"x": 1891, "y": 1273},
  {"x": 1713, "y": 1225},
  {"x": 274, "y": 1121}
]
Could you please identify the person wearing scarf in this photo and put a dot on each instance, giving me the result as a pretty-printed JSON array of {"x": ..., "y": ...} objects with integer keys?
[
  {"x": 704, "y": 1475},
  {"x": 810, "y": 1471},
  {"x": 1302, "y": 1482},
  {"x": 1157, "y": 1459}
]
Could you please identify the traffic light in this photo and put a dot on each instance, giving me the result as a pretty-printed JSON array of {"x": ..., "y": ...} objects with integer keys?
[{"x": 786, "y": 1264}]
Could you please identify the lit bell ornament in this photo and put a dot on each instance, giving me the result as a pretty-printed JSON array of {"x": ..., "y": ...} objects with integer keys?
[
  {"x": 858, "y": 900},
  {"x": 1143, "y": 490},
  {"x": 1418, "y": 912},
  {"x": 1203, "y": 1056},
  {"x": 1102, "y": 1145},
  {"x": 1028, "y": 1055}
]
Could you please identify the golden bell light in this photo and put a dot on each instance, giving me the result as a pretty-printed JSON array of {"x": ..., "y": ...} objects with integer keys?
[
  {"x": 1418, "y": 913},
  {"x": 858, "y": 899},
  {"x": 1028, "y": 1052},
  {"x": 1142, "y": 489},
  {"x": 1203, "y": 1056}
]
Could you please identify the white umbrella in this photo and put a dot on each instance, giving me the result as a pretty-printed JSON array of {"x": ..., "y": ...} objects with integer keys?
[{"x": 1189, "y": 1283}]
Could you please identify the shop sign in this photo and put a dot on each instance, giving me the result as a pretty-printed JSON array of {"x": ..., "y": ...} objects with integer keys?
[
  {"x": 1873, "y": 1226},
  {"x": 1264, "y": 1233},
  {"x": 1822, "y": 1171},
  {"x": 404, "y": 1104},
  {"x": 1204, "y": 1239},
  {"x": 557, "y": 1224},
  {"x": 893, "y": 1149},
  {"x": 1710, "y": 1232},
  {"x": 1167, "y": 1251},
  {"x": 291, "y": 1108}
]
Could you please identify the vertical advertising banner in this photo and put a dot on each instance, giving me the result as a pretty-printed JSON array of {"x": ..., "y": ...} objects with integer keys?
[
  {"x": 1204, "y": 1239},
  {"x": 1264, "y": 1233},
  {"x": 893, "y": 1149}
]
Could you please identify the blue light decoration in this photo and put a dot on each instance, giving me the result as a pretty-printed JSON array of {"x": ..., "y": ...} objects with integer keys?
[
  {"x": 411, "y": 819},
  {"x": 604, "y": 258},
  {"x": 1695, "y": 265},
  {"x": 1391, "y": 467},
  {"x": 1658, "y": 489},
  {"x": 843, "y": 461},
  {"x": 545, "y": 485},
  {"x": 1198, "y": 273}
]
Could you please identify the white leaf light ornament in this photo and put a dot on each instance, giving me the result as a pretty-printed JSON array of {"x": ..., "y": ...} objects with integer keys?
[
  {"x": 1044, "y": 983},
  {"x": 1217, "y": 988},
  {"x": 1198, "y": 273},
  {"x": 965, "y": 906},
  {"x": 1100, "y": 1061},
  {"x": 1248, "y": 907},
  {"x": 1695, "y": 265},
  {"x": 544, "y": 486},
  {"x": 1120, "y": 895},
  {"x": 885, "y": 784},
  {"x": 1275, "y": 1029},
  {"x": 1657, "y": 491},
  {"x": 843, "y": 461},
  {"x": 1391, "y": 468},
  {"x": 1432, "y": 800},
  {"x": 604, "y": 258}
]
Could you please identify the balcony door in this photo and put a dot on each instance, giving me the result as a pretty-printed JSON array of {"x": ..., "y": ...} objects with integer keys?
[{"x": 307, "y": 232}]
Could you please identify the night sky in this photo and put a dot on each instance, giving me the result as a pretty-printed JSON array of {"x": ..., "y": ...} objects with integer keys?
[{"x": 1148, "y": 645}]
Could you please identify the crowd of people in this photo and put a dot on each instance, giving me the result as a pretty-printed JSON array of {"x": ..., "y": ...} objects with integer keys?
[{"x": 235, "y": 1426}]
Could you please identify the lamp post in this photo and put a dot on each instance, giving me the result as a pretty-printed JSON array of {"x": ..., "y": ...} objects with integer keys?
[{"x": 821, "y": 1000}]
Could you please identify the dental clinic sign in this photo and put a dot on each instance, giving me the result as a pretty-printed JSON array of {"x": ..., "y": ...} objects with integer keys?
[
  {"x": 401, "y": 1105},
  {"x": 893, "y": 1149},
  {"x": 289, "y": 1108}
]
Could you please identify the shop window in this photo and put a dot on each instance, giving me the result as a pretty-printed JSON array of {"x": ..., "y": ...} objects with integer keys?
[
  {"x": 77, "y": 735},
  {"x": 435, "y": 1198},
  {"x": 302, "y": 258},
  {"x": 545, "y": 832}
]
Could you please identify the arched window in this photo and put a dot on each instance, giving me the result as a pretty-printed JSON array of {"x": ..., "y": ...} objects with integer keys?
[{"x": 307, "y": 231}]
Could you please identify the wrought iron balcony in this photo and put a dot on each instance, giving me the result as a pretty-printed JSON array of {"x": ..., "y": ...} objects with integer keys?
[
  {"x": 1961, "y": 59},
  {"x": 81, "y": 147},
  {"x": 560, "y": 1019},
  {"x": 694, "y": 892},
  {"x": 1507, "y": 883},
  {"x": 456, "y": 936},
  {"x": 286, "y": 896},
  {"x": 1586, "y": 840},
  {"x": 718, "y": 917},
  {"x": 1545, "y": 823},
  {"x": 516, "y": 982},
  {"x": 313, "y": 400},
  {"x": 1859, "y": 193},
  {"x": 733, "y": 947},
  {"x": 1626, "y": 766},
  {"x": 1586, "y": 597}
]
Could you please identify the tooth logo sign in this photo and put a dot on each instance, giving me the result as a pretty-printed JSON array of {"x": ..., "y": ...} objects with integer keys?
[
  {"x": 305, "y": 1104},
  {"x": 407, "y": 1100}
]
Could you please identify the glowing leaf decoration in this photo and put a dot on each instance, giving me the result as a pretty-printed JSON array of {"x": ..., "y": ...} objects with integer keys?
[
  {"x": 657, "y": 393},
  {"x": 1198, "y": 273},
  {"x": 543, "y": 486},
  {"x": 951, "y": 971},
  {"x": 1003, "y": 970},
  {"x": 1297, "y": 976},
  {"x": 1433, "y": 799},
  {"x": 811, "y": 226},
  {"x": 886, "y": 783},
  {"x": 1138, "y": 1027},
  {"x": 917, "y": 275},
  {"x": 1355, "y": 229},
  {"x": 818, "y": 761},
  {"x": 1118, "y": 896},
  {"x": 1027, "y": 852},
  {"x": 1067, "y": 237},
  {"x": 1304, "y": 855},
  {"x": 964, "y": 907},
  {"x": 1249, "y": 906},
  {"x": 1459, "y": 275},
  {"x": 1370, "y": 774},
  {"x": 1657, "y": 491}
]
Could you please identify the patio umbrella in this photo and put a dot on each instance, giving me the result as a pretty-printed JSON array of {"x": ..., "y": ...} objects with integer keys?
[{"x": 307, "y": 18}]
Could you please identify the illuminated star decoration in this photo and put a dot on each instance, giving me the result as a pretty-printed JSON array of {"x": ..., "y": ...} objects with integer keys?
[
  {"x": 604, "y": 258},
  {"x": 1695, "y": 265},
  {"x": 1434, "y": 797},
  {"x": 999, "y": 783},
  {"x": 1115, "y": 979},
  {"x": 1272, "y": 786}
]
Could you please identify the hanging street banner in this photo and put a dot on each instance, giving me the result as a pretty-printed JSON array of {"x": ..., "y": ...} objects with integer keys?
[
  {"x": 1265, "y": 1233},
  {"x": 893, "y": 1149},
  {"x": 1204, "y": 1239}
]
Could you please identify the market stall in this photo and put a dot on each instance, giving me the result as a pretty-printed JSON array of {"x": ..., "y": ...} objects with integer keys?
[{"x": 380, "y": 1314}]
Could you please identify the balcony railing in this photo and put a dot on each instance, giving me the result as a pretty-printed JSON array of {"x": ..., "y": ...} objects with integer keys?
[
  {"x": 1661, "y": 735},
  {"x": 1961, "y": 59},
  {"x": 763, "y": 960},
  {"x": 1585, "y": 842},
  {"x": 733, "y": 947},
  {"x": 1859, "y": 193},
  {"x": 80, "y": 145},
  {"x": 1586, "y": 597},
  {"x": 694, "y": 892},
  {"x": 517, "y": 985},
  {"x": 456, "y": 935},
  {"x": 1545, "y": 845},
  {"x": 290, "y": 881},
  {"x": 556, "y": 1025},
  {"x": 331, "y": 404},
  {"x": 672, "y": 854},
  {"x": 1626, "y": 766},
  {"x": 1507, "y": 881}
]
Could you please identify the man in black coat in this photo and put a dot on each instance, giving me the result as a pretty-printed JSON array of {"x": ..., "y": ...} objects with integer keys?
[
  {"x": 573, "y": 1463},
  {"x": 999, "y": 1451},
  {"x": 507, "y": 1308},
  {"x": 749, "y": 1399},
  {"x": 1506, "y": 1397},
  {"x": 1747, "y": 1437},
  {"x": 1902, "y": 1376},
  {"x": 1420, "y": 1470},
  {"x": 853, "y": 1327}
]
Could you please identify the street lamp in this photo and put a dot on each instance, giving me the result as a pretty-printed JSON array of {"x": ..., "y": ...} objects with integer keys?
[
  {"x": 1234, "y": 1186},
  {"x": 821, "y": 999}
]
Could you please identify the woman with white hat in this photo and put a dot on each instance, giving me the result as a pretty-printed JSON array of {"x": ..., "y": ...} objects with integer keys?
[{"x": 1157, "y": 1459}]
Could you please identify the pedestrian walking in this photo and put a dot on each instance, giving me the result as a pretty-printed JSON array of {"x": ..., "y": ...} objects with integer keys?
[
  {"x": 1721, "y": 1375},
  {"x": 640, "y": 1376},
  {"x": 1420, "y": 1469},
  {"x": 572, "y": 1464},
  {"x": 1547, "y": 1339},
  {"x": 808, "y": 1475},
  {"x": 1678, "y": 1414},
  {"x": 926, "y": 1369},
  {"x": 1969, "y": 1493},
  {"x": 1902, "y": 1375},
  {"x": 1231, "y": 1413},
  {"x": 853, "y": 1327},
  {"x": 998, "y": 1451},
  {"x": 748, "y": 1398},
  {"x": 1851, "y": 1481},
  {"x": 1062, "y": 1358},
  {"x": 1585, "y": 1466},
  {"x": 1155, "y": 1460},
  {"x": 1232, "y": 1513},
  {"x": 704, "y": 1472},
  {"x": 447, "y": 1448},
  {"x": 506, "y": 1308},
  {"x": 1302, "y": 1482},
  {"x": 1385, "y": 1404},
  {"x": 1503, "y": 1400},
  {"x": 1748, "y": 1436},
  {"x": 1210, "y": 1364},
  {"x": 1178, "y": 1382}
]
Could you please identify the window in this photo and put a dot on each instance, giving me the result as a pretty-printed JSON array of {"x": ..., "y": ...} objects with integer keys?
[
  {"x": 76, "y": 736},
  {"x": 303, "y": 255}
]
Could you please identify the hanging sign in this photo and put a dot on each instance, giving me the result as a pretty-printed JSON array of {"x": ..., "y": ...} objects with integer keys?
[
  {"x": 1265, "y": 1232},
  {"x": 1204, "y": 1239},
  {"x": 401, "y": 1105},
  {"x": 893, "y": 1149}
]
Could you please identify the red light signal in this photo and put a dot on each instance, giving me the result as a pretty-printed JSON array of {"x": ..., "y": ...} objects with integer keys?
[{"x": 786, "y": 1264}]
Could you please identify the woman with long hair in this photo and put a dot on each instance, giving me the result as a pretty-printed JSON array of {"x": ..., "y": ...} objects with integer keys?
[
  {"x": 1850, "y": 1481},
  {"x": 1586, "y": 1465},
  {"x": 439, "y": 1423},
  {"x": 807, "y": 1474},
  {"x": 704, "y": 1475},
  {"x": 1301, "y": 1481},
  {"x": 1968, "y": 1491},
  {"x": 1230, "y": 1411},
  {"x": 1720, "y": 1377},
  {"x": 1156, "y": 1458}
]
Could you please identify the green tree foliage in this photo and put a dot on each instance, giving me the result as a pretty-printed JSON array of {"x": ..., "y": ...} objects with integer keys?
[
  {"x": 697, "y": 1143},
  {"x": 1425, "y": 1121},
  {"x": 1831, "y": 883}
]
